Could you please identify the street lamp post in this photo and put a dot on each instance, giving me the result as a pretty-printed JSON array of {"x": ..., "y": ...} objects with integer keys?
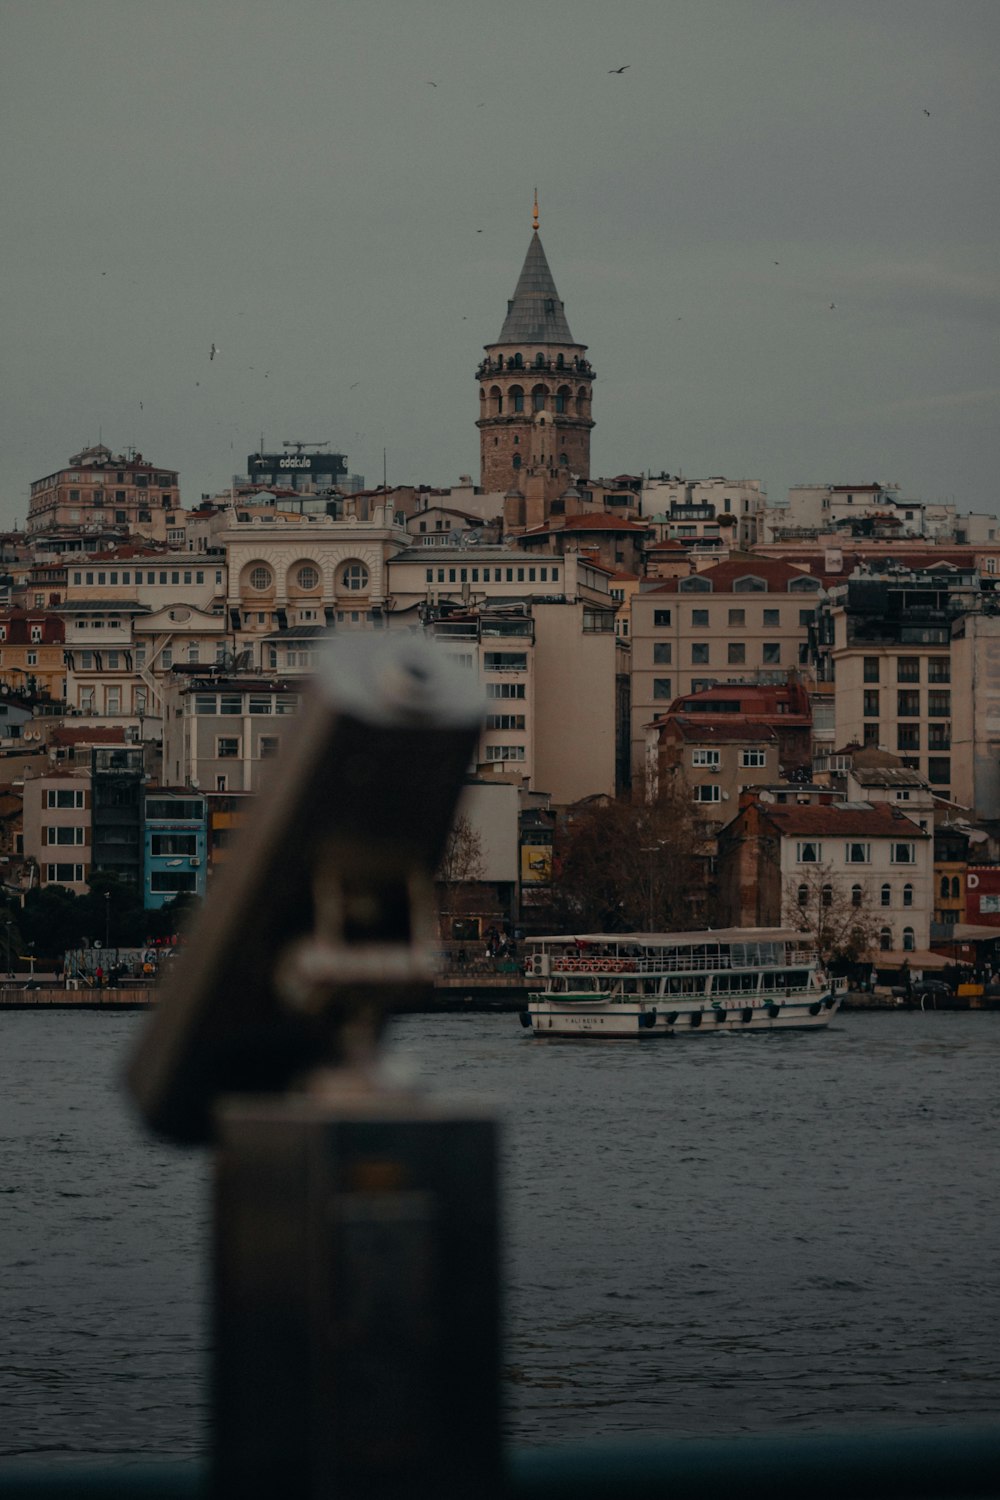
[
  {"x": 652, "y": 850},
  {"x": 31, "y": 960},
  {"x": 107, "y": 919}
]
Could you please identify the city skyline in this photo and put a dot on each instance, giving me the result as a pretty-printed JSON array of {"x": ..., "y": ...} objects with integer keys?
[{"x": 772, "y": 230}]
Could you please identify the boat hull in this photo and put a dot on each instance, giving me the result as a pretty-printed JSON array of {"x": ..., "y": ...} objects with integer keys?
[{"x": 563, "y": 1017}]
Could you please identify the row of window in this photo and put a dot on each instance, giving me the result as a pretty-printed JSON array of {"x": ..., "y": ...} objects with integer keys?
[
  {"x": 857, "y": 895},
  {"x": 65, "y": 874},
  {"x": 64, "y": 835},
  {"x": 711, "y": 758},
  {"x": 65, "y": 797},
  {"x": 354, "y": 576},
  {"x": 36, "y": 633},
  {"x": 809, "y": 852},
  {"x": 505, "y": 689},
  {"x": 230, "y": 747},
  {"x": 500, "y": 575},
  {"x": 908, "y": 703},
  {"x": 245, "y": 703},
  {"x": 908, "y": 668},
  {"x": 505, "y": 752},
  {"x": 141, "y": 575}
]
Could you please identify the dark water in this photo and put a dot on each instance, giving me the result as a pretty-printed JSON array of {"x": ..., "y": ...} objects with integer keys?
[{"x": 713, "y": 1237}]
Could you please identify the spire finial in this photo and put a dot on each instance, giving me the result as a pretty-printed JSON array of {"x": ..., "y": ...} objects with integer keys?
[{"x": 534, "y": 213}]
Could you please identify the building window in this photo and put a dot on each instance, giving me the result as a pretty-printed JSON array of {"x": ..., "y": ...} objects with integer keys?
[
  {"x": 802, "y": 895},
  {"x": 871, "y": 703},
  {"x": 708, "y": 793},
  {"x": 699, "y": 617},
  {"x": 871, "y": 735},
  {"x": 903, "y": 854},
  {"x": 737, "y": 617},
  {"x": 505, "y": 689},
  {"x": 268, "y": 745},
  {"x": 505, "y": 661},
  {"x": 858, "y": 854},
  {"x": 856, "y": 895},
  {"x": 809, "y": 853},
  {"x": 661, "y": 617},
  {"x": 938, "y": 669},
  {"x": 909, "y": 940},
  {"x": 885, "y": 940},
  {"x": 64, "y": 836},
  {"x": 736, "y": 653},
  {"x": 938, "y": 737},
  {"x": 908, "y": 704},
  {"x": 505, "y": 752},
  {"x": 907, "y": 895},
  {"x": 308, "y": 577},
  {"x": 938, "y": 705},
  {"x": 908, "y": 669},
  {"x": 227, "y": 748},
  {"x": 753, "y": 758},
  {"x": 662, "y": 653},
  {"x": 871, "y": 669},
  {"x": 354, "y": 577},
  {"x": 772, "y": 617},
  {"x": 939, "y": 771},
  {"x": 886, "y": 894},
  {"x": 908, "y": 737},
  {"x": 771, "y": 653},
  {"x": 699, "y": 653},
  {"x": 32, "y": 658},
  {"x": 260, "y": 578},
  {"x": 705, "y": 758},
  {"x": 662, "y": 687}
]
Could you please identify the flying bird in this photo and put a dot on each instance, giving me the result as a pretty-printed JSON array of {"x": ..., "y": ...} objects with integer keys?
[
  {"x": 621, "y": 69},
  {"x": 354, "y": 386},
  {"x": 833, "y": 306},
  {"x": 777, "y": 262},
  {"x": 431, "y": 83},
  {"x": 213, "y": 351},
  {"x": 927, "y": 113}
]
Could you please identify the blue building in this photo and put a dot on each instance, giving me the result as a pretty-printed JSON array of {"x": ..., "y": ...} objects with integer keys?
[{"x": 175, "y": 845}]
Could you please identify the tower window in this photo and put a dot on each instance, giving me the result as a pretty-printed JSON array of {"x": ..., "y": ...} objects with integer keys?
[
  {"x": 518, "y": 362},
  {"x": 517, "y": 460}
]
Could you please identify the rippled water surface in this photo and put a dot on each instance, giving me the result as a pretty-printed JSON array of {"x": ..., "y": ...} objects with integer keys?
[{"x": 715, "y": 1236}]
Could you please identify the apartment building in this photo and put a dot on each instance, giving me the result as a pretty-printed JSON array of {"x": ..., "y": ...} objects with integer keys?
[
  {"x": 710, "y": 764},
  {"x": 870, "y": 854},
  {"x": 175, "y": 845},
  {"x": 101, "y": 494},
  {"x": 58, "y": 828},
  {"x": 743, "y": 620},
  {"x": 715, "y": 509},
  {"x": 219, "y": 732},
  {"x": 31, "y": 653},
  {"x": 891, "y": 657}
]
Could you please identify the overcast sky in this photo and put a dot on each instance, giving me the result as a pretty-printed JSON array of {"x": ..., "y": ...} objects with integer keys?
[{"x": 283, "y": 180}]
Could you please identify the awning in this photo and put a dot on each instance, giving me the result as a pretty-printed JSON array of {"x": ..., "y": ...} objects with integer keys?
[
  {"x": 919, "y": 958},
  {"x": 971, "y": 932}
]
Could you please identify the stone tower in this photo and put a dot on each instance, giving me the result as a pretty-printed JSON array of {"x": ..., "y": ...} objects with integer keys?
[{"x": 534, "y": 398}]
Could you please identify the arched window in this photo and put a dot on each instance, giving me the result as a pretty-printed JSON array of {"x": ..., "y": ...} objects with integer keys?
[
  {"x": 956, "y": 887},
  {"x": 307, "y": 576},
  {"x": 828, "y": 895},
  {"x": 539, "y": 361},
  {"x": 517, "y": 362},
  {"x": 354, "y": 577},
  {"x": 944, "y": 887},
  {"x": 517, "y": 460},
  {"x": 563, "y": 461},
  {"x": 260, "y": 577},
  {"x": 496, "y": 396},
  {"x": 581, "y": 401},
  {"x": 885, "y": 939},
  {"x": 560, "y": 362},
  {"x": 907, "y": 895},
  {"x": 562, "y": 398},
  {"x": 749, "y": 585},
  {"x": 538, "y": 395},
  {"x": 804, "y": 585},
  {"x": 909, "y": 940},
  {"x": 887, "y": 894},
  {"x": 803, "y": 895},
  {"x": 516, "y": 398},
  {"x": 855, "y": 895}
]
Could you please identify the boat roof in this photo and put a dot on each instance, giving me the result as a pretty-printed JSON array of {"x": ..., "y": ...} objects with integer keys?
[{"x": 682, "y": 939}]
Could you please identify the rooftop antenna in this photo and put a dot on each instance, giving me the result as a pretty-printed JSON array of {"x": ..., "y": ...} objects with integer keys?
[
  {"x": 534, "y": 213},
  {"x": 385, "y": 485}
]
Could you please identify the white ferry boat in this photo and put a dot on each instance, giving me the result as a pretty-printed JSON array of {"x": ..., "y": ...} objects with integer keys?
[{"x": 643, "y": 984}]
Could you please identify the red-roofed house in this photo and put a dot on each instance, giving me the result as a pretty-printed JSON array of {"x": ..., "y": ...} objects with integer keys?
[
  {"x": 618, "y": 541},
  {"x": 873, "y": 856},
  {"x": 745, "y": 620}
]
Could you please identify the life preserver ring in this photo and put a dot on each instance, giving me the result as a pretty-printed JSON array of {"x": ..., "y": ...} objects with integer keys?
[{"x": 603, "y": 965}]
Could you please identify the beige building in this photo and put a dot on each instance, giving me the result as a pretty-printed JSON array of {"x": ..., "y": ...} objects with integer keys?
[
  {"x": 220, "y": 732},
  {"x": 975, "y": 714},
  {"x": 101, "y": 493},
  {"x": 744, "y": 620},
  {"x": 57, "y": 828}
]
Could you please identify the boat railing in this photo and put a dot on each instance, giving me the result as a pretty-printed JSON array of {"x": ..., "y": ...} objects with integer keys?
[{"x": 686, "y": 963}]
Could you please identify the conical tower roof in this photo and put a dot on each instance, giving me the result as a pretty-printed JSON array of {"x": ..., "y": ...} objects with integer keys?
[{"x": 535, "y": 314}]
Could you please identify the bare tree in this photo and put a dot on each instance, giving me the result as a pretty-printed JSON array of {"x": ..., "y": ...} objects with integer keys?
[
  {"x": 462, "y": 859},
  {"x": 842, "y": 921},
  {"x": 630, "y": 867}
]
